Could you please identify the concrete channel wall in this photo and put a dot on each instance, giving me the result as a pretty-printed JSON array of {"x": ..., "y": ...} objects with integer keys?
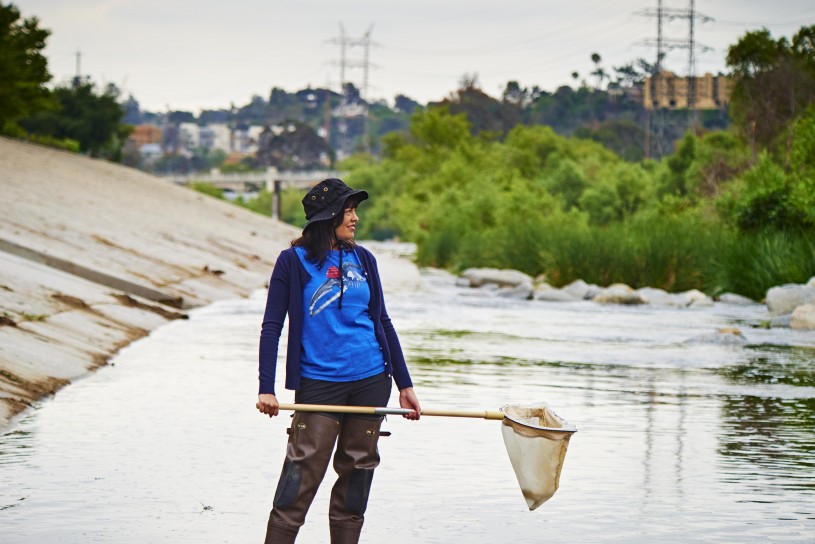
[{"x": 94, "y": 255}]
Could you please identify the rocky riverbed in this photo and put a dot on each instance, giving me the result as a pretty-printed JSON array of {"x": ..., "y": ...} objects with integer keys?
[{"x": 791, "y": 305}]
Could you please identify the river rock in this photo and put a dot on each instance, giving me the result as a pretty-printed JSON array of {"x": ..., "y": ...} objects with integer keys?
[
  {"x": 502, "y": 277},
  {"x": 697, "y": 299},
  {"x": 553, "y": 295},
  {"x": 803, "y": 318},
  {"x": 660, "y": 297},
  {"x": 618, "y": 293},
  {"x": 811, "y": 282},
  {"x": 579, "y": 289},
  {"x": 785, "y": 298},
  {"x": 733, "y": 298},
  {"x": 521, "y": 292},
  {"x": 462, "y": 282},
  {"x": 726, "y": 336},
  {"x": 781, "y": 321}
]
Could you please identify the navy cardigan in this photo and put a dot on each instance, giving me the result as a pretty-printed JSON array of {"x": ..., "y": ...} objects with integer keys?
[{"x": 285, "y": 297}]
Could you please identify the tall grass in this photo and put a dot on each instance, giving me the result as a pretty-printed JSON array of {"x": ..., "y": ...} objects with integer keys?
[
  {"x": 751, "y": 264},
  {"x": 675, "y": 253},
  {"x": 669, "y": 253}
]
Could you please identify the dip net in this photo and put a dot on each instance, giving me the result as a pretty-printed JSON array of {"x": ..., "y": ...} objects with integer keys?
[{"x": 536, "y": 439}]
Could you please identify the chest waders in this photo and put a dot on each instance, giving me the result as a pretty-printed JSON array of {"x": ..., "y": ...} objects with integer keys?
[{"x": 311, "y": 442}]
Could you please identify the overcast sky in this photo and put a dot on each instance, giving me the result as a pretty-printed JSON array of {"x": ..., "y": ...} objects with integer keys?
[{"x": 198, "y": 54}]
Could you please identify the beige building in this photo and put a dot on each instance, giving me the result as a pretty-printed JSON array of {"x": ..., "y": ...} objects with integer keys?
[{"x": 667, "y": 90}]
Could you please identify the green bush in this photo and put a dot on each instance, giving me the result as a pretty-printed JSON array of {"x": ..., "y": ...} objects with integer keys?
[{"x": 207, "y": 189}]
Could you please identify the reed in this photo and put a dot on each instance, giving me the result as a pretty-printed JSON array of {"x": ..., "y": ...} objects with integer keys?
[
  {"x": 752, "y": 263},
  {"x": 669, "y": 253}
]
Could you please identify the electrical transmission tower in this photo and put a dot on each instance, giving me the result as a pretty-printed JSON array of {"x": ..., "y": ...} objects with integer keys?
[
  {"x": 346, "y": 108},
  {"x": 655, "y": 124}
]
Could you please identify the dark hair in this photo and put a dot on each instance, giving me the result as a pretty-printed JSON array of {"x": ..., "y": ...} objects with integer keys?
[{"x": 318, "y": 237}]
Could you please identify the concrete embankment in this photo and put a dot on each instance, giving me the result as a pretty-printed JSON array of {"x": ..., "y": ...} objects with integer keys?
[{"x": 94, "y": 255}]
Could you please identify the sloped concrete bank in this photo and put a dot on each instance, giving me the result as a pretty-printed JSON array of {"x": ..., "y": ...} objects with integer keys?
[{"x": 94, "y": 255}]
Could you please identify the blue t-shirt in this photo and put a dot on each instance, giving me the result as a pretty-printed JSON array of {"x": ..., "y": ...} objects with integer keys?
[{"x": 338, "y": 345}]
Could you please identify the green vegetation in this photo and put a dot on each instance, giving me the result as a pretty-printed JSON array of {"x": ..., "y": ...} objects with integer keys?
[
  {"x": 73, "y": 117},
  {"x": 712, "y": 216},
  {"x": 23, "y": 68},
  {"x": 543, "y": 182},
  {"x": 207, "y": 189},
  {"x": 90, "y": 118}
]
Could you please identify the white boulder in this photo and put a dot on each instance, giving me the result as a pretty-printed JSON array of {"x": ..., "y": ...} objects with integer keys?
[
  {"x": 784, "y": 299},
  {"x": 661, "y": 297},
  {"x": 502, "y": 277},
  {"x": 579, "y": 289},
  {"x": 521, "y": 292},
  {"x": 697, "y": 298},
  {"x": 618, "y": 293},
  {"x": 553, "y": 295},
  {"x": 803, "y": 318}
]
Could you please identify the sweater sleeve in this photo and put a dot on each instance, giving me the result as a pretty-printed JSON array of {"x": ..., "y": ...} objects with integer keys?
[
  {"x": 277, "y": 306},
  {"x": 401, "y": 375}
]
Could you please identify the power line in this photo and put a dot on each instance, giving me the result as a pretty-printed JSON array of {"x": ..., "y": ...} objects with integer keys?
[
  {"x": 655, "y": 124},
  {"x": 346, "y": 109}
]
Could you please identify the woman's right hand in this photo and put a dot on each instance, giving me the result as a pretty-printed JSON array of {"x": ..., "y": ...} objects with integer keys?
[{"x": 267, "y": 404}]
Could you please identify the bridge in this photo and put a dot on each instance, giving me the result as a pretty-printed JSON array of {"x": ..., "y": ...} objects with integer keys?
[{"x": 273, "y": 180}]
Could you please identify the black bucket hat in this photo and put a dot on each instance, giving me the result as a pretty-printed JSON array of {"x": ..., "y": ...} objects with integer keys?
[{"x": 327, "y": 199}]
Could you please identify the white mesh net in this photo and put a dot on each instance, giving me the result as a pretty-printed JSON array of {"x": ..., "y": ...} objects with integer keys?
[{"x": 536, "y": 439}]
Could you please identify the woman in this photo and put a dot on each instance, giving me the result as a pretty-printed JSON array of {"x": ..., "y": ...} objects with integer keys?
[{"x": 342, "y": 349}]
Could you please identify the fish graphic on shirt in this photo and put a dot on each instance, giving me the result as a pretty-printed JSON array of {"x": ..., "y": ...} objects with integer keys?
[{"x": 329, "y": 291}]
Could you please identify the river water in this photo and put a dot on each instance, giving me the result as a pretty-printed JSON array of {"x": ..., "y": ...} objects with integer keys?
[{"x": 677, "y": 442}]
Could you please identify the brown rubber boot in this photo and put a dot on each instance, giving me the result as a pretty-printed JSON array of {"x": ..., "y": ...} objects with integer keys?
[
  {"x": 280, "y": 534},
  {"x": 311, "y": 441},
  {"x": 355, "y": 460}
]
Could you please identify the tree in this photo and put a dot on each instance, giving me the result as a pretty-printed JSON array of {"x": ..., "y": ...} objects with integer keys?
[
  {"x": 177, "y": 117},
  {"x": 631, "y": 74},
  {"x": 297, "y": 147},
  {"x": 23, "y": 68},
  {"x": 404, "y": 104},
  {"x": 773, "y": 82},
  {"x": 598, "y": 72},
  {"x": 514, "y": 94},
  {"x": 485, "y": 113},
  {"x": 92, "y": 119},
  {"x": 622, "y": 136}
]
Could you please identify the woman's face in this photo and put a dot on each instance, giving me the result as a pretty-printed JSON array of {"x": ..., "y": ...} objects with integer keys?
[{"x": 344, "y": 232}]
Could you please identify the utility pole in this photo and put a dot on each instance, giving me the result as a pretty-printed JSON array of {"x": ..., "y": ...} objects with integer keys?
[
  {"x": 366, "y": 43},
  {"x": 345, "y": 109},
  {"x": 343, "y": 41},
  {"x": 692, "y": 47},
  {"x": 656, "y": 123},
  {"x": 78, "y": 76},
  {"x": 327, "y": 113}
]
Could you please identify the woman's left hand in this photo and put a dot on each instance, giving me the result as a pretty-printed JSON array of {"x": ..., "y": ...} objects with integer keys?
[{"x": 407, "y": 399}]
